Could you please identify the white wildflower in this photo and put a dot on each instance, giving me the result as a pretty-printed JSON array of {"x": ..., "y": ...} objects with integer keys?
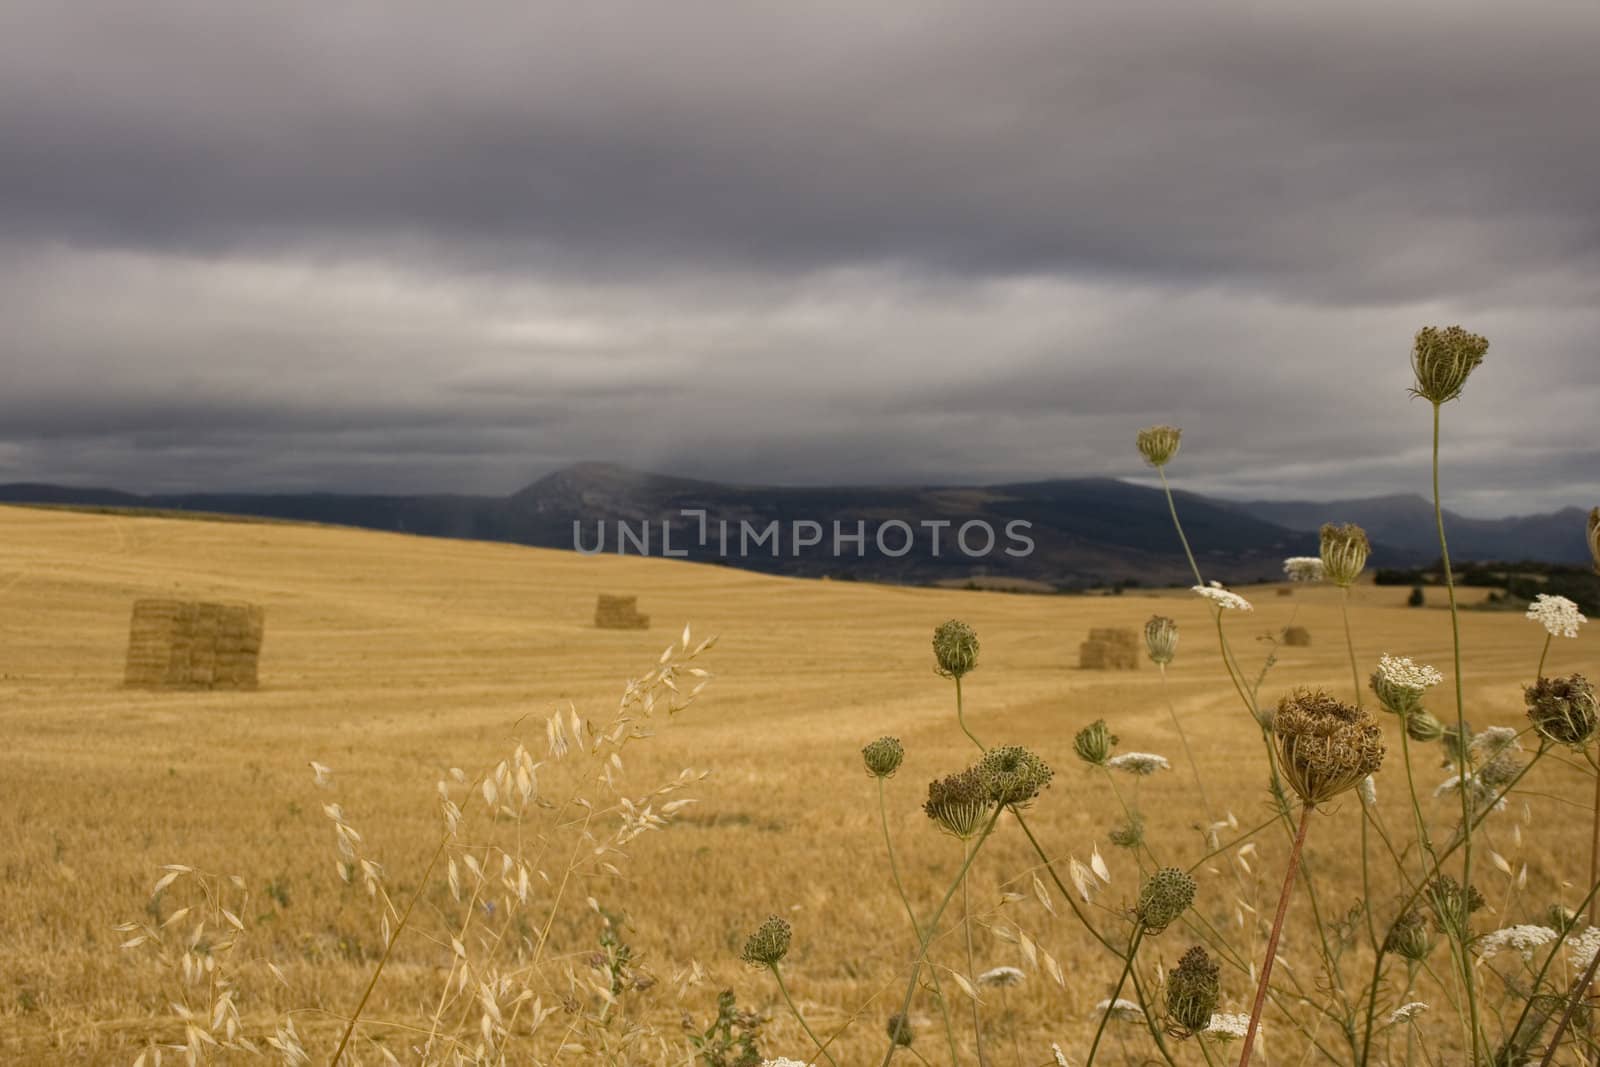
[
  {"x": 784, "y": 1061},
  {"x": 1406, "y": 1012},
  {"x": 1406, "y": 673},
  {"x": 1558, "y": 615},
  {"x": 1303, "y": 568},
  {"x": 1061, "y": 1057},
  {"x": 1222, "y": 598},
  {"x": 1496, "y": 740},
  {"x": 1142, "y": 764},
  {"x": 1225, "y": 1026},
  {"x": 1524, "y": 939},
  {"x": 1002, "y": 976},
  {"x": 1124, "y": 1010},
  {"x": 1582, "y": 948}
]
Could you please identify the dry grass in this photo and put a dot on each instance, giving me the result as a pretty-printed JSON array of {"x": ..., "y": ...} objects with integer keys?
[{"x": 393, "y": 658}]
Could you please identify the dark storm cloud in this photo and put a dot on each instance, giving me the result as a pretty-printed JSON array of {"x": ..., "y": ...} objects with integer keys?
[{"x": 394, "y": 246}]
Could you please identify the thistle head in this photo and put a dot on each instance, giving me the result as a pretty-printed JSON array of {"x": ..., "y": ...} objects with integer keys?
[
  {"x": 1409, "y": 937},
  {"x": 1400, "y": 683},
  {"x": 1344, "y": 553},
  {"x": 768, "y": 945},
  {"x": 955, "y": 648},
  {"x": 959, "y": 803},
  {"x": 1563, "y": 710},
  {"x": 1442, "y": 359},
  {"x": 1165, "y": 895},
  {"x": 899, "y": 1029},
  {"x": 883, "y": 756},
  {"x": 1013, "y": 775},
  {"x": 1193, "y": 988},
  {"x": 1161, "y": 639},
  {"x": 1423, "y": 726},
  {"x": 1095, "y": 743},
  {"x": 1325, "y": 747},
  {"x": 1594, "y": 537},
  {"x": 1158, "y": 444}
]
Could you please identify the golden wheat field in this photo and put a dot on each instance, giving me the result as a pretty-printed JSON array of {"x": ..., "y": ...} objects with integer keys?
[{"x": 392, "y": 659}]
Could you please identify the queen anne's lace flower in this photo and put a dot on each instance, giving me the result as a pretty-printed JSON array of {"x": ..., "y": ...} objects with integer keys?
[
  {"x": 1581, "y": 949},
  {"x": 1303, "y": 568},
  {"x": 1225, "y": 1026},
  {"x": 1523, "y": 939},
  {"x": 1406, "y": 1012},
  {"x": 1142, "y": 764},
  {"x": 783, "y": 1061},
  {"x": 1222, "y": 598},
  {"x": 1559, "y": 616}
]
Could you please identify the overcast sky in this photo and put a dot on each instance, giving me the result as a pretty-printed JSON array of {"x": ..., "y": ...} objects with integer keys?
[{"x": 389, "y": 247}]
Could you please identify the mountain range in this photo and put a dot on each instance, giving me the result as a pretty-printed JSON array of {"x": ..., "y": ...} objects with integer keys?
[{"x": 1069, "y": 533}]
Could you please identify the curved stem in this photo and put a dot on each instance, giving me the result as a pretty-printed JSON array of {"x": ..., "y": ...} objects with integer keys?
[
  {"x": 962, "y": 719},
  {"x": 1572, "y": 1004},
  {"x": 1272, "y": 939},
  {"x": 1539, "y": 672},
  {"x": 1111, "y": 1005},
  {"x": 1173, "y": 508},
  {"x": 778, "y": 974}
]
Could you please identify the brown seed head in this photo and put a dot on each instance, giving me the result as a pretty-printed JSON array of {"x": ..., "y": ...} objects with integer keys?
[
  {"x": 1442, "y": 360},
  {"x": 1563, "y": 710},
  {"x": 1326, "y": 747}
]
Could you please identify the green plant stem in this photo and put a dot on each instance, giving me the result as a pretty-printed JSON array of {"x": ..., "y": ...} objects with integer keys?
[
  {"x": 1539, "y": 671},
  {"x": 962, "y": 718},
  {"x": 801, "y": 1019},
  {"x": 1594, "y": 850},
  {"x": 916, "y": 928},
  {"x": 1111, "y": 1005},
  {"x": 1277, "y": 929},
  {"x": 1350, "y": 644},
  {"x": 1183, "y": 739},
  {"x": 1555, "y": 950},
  {"x": 972, "y": 973},
  {"x": 1572, "y": 1005},
  {"x": 933, "y": 924},
  {"x": 1461, "y": 721}
]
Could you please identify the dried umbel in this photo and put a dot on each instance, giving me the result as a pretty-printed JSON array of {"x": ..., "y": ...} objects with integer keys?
[
  {"x": 1409, "y": 937},
  {"x": 959, "y": 803},
  {"x": 1158, "y": 444},
  {"x": 1442, "y": 359},
  {"x": 1192, "y": 992},
  {"x": 1400, "y": 683},
  {"x": 1594, "y": 537},
  {"x": 768, "y": 945},
  {"x": 1325, "y": 747},
  {"x": 899, "y": 1029},
  {"x": 1161, "y": 639},
  {"x": 1013, "y": 775},
  {"x": 955, "y": 648},
  {"x": 1095, "y": 743},
  {"x": 1344, "y": 553},
  {"x": 1165, "y": 895},
  {"x": 883, "y": 756},
  {"x": 1452, "y": 906},
  {"x": 1424, "y": 726},
  {"x": 1563, "y": 710}
]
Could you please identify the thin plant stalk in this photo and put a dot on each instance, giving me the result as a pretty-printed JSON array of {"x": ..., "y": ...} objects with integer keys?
[
  {"x": 962, "y": 718},
  {"x": 1173, "y": 508},
  {"x": 1594, "y": 852},
  {"x": 1572, "y": 1004},
  {"x": 787, "y": 999},
  {"x": 1183, "y": 739},
  {"x": 1539, "y": 672},
  {"x": 1111, "y": 1005},
  {"x": 1350, "y": 644},
  {"x": 1272, "y": 939},
  {"x": 972, "y": 969}
]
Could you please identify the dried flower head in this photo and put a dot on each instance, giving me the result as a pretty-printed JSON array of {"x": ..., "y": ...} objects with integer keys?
[
  {"x": 1563, "y": 709},
  {"x": 955, "y": 648},
  {"x": 1303, "y": 568},
  {"x": 1409, "y": 937},
  {"x": 1593, "y": 533},
  {"x": 1002, "y": 977},
  {"x": 1452, "y": 906},
  {"x": 1139, "y": 764},
  {"x": 899, "y": 1029},
  {"x": 1400, "y": 683},
  {"x": 1013, "y": 774},
  {"x": 1129, "y": 833},
  {"x": 769, "y": 944},
  {"x": 1094, "y": 743},
  {"x": 1165, "y": 895},
  {"x": 1424, "y": 726},
  {"x": 1158, "y": 444},
  {"x": 1192, "y": 991},
  {"x": 1161, "y": 639},
  {"x": 959, "y": 803},
  {"x": 1344, "y": 553},
  {"x": 1221, "y": 597},
  {"x": 883, "y": 756},
  {"x": 1326, "y": 747},
  {"x": 1407, "y": 1012},
  {"x": 1559, "y": 616},
  {"x": 1442, "y": 360}
]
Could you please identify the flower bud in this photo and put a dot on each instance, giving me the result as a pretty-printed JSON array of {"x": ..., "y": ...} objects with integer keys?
[
  {"x": 899, "y": 1030},
  {"x": 959, "y": 803},
  {"x": 1423, "y": 726},
  {"x": 1165, "y": 895},
  {"x": 883, "y": 756},
  {"x": 1161, "y": 639},
  {"x": 955, "y": 648},
  {"x": 1442, "y": 360},
  {"x": 1095, "y": 743},
  {"x": 1192, "y": 992},
  {"x": 1400, "y": 683},
  {"x": 1325, "y": 747},
  {"x": 1409, "y": 937},
  {"x": 1563, "y": 710},
  {"x": 768, "y": 945},
  {"x": 1158, "y": 444},
  {"x": 1344, "y": 553}
]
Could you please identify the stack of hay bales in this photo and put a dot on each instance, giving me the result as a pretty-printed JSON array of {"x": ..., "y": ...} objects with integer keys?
[
  {"x": 1284, "y": 590},
  {"x": 619, "y": 613},
  {"x": 1109, "y": 649},
  {"x": 1296, "y": 636},
  {"x": 187, "y": 644}
]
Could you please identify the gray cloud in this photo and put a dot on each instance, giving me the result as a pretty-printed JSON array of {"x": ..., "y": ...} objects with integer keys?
[{"x": 373, "y": 246}]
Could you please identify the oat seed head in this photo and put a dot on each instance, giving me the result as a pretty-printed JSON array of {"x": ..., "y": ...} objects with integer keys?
[
  {"x": 1161, "y": 639},
  {"x": 1165, "y": 895},
  {"x": 955, "y": 649},
  {"x": 1345, "y": 549},
  {"x": 1563, "y": 710},
  {"x": 1158, "y": 444},
  {"x": 883, "y": 757},
  {"x": 1442, "y": 359},
  {"x": 1326, "y": 747}
]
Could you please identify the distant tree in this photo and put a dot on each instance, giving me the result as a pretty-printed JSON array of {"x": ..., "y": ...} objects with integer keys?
[{"x": 1416, "y": 599}]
